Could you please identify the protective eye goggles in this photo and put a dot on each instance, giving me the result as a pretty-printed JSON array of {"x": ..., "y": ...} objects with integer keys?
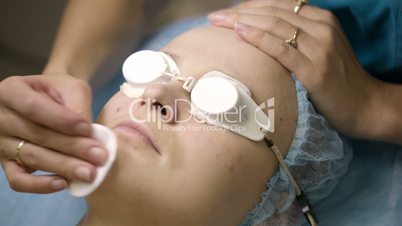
[{"x": 216, "y": 98}]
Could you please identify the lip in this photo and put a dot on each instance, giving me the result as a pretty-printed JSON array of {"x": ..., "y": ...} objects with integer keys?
[{"x": 136, "y": 131}]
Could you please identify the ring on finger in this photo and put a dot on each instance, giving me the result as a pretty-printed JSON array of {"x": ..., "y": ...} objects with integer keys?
[
  {"x": 292, "y": 41},
  {"x": 299, "y": 5},
  {"x": 18, "y": 152}
]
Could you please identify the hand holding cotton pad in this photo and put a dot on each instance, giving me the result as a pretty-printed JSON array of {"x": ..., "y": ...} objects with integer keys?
[{"x": 109, "y": 140}]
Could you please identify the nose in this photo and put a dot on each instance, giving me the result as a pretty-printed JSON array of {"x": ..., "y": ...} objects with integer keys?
[{"x": 167, "y": 100}]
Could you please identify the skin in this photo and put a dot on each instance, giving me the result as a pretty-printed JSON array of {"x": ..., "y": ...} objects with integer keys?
[{"x": 194, "y": 178}]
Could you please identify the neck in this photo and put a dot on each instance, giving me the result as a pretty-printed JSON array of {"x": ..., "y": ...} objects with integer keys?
[
  {"x": 97, "y": 220},
  {"x": 108, "y": 214}
]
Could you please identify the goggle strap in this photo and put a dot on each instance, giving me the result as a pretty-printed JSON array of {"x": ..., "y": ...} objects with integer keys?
[
  {"x": 300, "y": 197},
  {"x": 307, "y": 209},
  {"x": 169, "y": 74},
  {"x": 189, "y": 84}
]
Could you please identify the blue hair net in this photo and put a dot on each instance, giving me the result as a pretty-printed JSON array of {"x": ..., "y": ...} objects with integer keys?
[{"x": 317, "y": 158}]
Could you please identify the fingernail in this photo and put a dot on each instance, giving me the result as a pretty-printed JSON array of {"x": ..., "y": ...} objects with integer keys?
[
  {"x": 218, "y": 16},
  {"x": 98, "y": 155},
  {"x": 83, "y": 173},
  {"x": 242, "y": 28},
  {"x": 83, "y": 129},
  {"x": 58, "y": 184}
]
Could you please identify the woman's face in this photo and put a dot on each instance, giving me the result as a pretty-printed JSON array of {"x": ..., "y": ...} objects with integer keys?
[{"x": 185, "y": 172}]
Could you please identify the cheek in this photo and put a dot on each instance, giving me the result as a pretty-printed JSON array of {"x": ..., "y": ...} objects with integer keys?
[
  {"x": 224, "y": 172},
  {"x": 111, "y": 109},
  {"x": 232, "y": 153},
  {"x": 229, "y": 165}
]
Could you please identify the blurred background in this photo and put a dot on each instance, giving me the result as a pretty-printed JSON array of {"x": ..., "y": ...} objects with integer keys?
[{"x": 27, "y": 29}]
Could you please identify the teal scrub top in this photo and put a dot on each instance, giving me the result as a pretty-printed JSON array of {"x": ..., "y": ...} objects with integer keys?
[
  {"x": 370, "y": 193},
  {"x": 374, "y": 28}
]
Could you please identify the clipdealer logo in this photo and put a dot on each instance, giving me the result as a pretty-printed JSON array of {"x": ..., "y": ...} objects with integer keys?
[
  {"x": 269, "y": 105},
  {"x": 232, "y": 119}
]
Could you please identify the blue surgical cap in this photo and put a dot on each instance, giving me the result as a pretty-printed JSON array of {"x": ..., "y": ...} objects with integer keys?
[{"x": 317, "y": 158}]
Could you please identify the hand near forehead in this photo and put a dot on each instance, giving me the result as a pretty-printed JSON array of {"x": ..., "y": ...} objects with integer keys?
[
  {"x": 322, "y": 60},
  {"x": 52, "y": 113}
]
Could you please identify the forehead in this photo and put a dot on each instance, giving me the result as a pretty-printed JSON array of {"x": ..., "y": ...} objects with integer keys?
[{"x": 209, "y": 48}]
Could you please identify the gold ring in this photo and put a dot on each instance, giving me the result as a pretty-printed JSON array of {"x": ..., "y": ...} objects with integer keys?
[
  {"x": 299, "y": 5},
  {"x": 18, "y": 152},
  {"x": 292, "y": 41}
]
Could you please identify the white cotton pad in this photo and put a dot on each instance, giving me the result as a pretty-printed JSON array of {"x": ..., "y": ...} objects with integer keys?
[{"x": 109, "y": 140}]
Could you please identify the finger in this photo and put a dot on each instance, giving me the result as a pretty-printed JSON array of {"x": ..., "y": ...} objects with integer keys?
[
  {"x": 313, "y": 13},
  {"x": 39, "y": 158},
  {"x": 307, "y": 11},
  {"x": 217, "y": 16},
  {"x": 307, "y": 23},
  {"x": 277, "y": 27},
  {"x": 284, "y": 4},
  {"x": 273, "y": 14},
  {"x": 288, "y": 56},
  {"x": 22, "y": 181},
  {"x": 274, "y": 25},
  {"x": 323, "y": 37},
  {"x": 318, "y": 23},
  {"x": 41, "y": 108},
  {"x": 283, "y": 9},
  {"x": 83, "y": 148}
]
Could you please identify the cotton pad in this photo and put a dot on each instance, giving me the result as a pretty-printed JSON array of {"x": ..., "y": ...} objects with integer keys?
[{"x": 109, "y": 140}]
